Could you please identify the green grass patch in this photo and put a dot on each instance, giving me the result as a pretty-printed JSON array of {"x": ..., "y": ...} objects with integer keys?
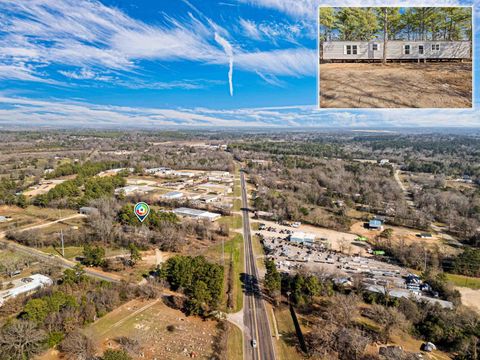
[
  {"x": 237, "y": 190},
  {"x": 464, "y": 281},
  {"x": 234, "y": 254},
  {"x": 286, "y": 328},
  {"x": 234, "y": 343},
  {"x": 233, "y": 221},
  {"x": 71, "y": 252},
  {"x": 237, "y": 205}
]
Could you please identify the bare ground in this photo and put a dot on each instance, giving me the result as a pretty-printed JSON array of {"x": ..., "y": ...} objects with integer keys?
[{"x": 396, "y": 85}]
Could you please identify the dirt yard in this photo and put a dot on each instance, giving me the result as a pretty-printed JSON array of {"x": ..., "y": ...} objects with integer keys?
[
  {"x": 162, "y": 332},
  {"x": 470, "y": 298},
  {"x": 396, "y": 85},
  {"x": 409, "y": 236}
]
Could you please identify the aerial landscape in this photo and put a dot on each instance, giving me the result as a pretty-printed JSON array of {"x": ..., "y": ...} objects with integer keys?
[
  {"x": 256, "y": 236},
  {"x": 429, "y": 51},
  {"x": 170, "y": 188}
]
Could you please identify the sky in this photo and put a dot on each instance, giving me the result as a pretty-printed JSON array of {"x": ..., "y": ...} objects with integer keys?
[{"x": 180, "y": 63}]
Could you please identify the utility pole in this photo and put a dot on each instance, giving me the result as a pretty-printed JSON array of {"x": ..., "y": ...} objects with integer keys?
[
  {"x": 385, "y": 35},
  {"x": 63, "y": 245},
  {"x": 223, "y": 251},
  {"x": 425, "y": 266}
]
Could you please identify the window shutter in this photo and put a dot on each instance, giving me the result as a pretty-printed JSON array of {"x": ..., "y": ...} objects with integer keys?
[{"x": 344, "y": 49}]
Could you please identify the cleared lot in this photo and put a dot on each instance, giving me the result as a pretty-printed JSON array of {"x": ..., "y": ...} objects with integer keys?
[
  {"x": 162, "y": 332},
  {"x": 335, "y": 240},
  {"x": 408, "y": 85}
]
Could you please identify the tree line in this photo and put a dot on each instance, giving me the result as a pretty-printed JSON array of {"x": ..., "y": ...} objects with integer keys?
[{"x": 413, "y": 23}]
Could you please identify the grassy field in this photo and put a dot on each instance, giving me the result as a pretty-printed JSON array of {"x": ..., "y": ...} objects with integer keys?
[
  {"x": 237, "y": 205},
  {"x": 162, "y": 332},
  {"x": 233, "y": 221},
  {"x": 234, "y": 343},
  {"x": 233, "y": 252},
  {"x": 286, "y": 347},
  {"x": 71, "y": 252},
  {"x": 236, "y": 252},
  {"x": 237, "y": 190},
  {"x": 464, "y": 281}
]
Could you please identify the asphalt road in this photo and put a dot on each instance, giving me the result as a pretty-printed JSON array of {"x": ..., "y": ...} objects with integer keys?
[
  {"x": 57, "y": 260},
  {"x": 255, "y": 316}
]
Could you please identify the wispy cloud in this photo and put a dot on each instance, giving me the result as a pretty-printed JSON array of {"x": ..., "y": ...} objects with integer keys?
[
  {"x": 229, "y": 52},
  {"x": 290, "y": 62},
  {"x": 30, "y": 113},
  {"x": 97, "y": 42},
  {"x": 301, "y": 9}
]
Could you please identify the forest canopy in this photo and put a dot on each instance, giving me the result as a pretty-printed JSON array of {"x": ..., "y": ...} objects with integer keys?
[{"x": 416, "y": 23}]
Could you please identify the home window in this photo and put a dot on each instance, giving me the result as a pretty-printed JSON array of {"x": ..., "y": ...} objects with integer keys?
[
  {"x": 374, "y": 47},
  {"x": 420, "y": 49},
  {"x": 435, "y": 47},
  {"x": 406, "y": 49},
  {"x": 351, "y": 49}
]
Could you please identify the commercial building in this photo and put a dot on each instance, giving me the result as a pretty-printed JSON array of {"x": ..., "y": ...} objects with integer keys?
[
  {"x": 207, "y": 199},
  {"x": 25, "y": 285},
  {"x": 134, "y": 189},
  {"x": 197, "y": 214},
  {"x": 173, "y": 195},
  {"x": 300, "y": 237}
]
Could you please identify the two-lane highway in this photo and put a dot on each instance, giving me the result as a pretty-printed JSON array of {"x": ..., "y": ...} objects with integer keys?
[{"x": 257, "y": 327}]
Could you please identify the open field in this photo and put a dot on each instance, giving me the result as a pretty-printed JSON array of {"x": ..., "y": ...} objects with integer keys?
[
  {"x": 396, "y": 85},
  {"x": 464, "y": 281},
  {"x": 147, "y": 322},
  {"x": 234, "y": 250},
  {"x": 470, "y": 297},
  {"x": 234, "y": 343},
  {"x": 287, "y": 345},
  {"x": 335, "y": 239},
  {"x": 234, "y": 221},
  {"x": 30, "y": 216},
  {"x": 407, "y": 235}
]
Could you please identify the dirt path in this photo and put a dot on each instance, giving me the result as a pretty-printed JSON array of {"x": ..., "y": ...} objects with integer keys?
[{"x": 407, "y": 85}]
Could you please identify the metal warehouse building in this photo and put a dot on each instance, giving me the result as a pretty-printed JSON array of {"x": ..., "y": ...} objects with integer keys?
[
  {"x": 25, "y": 285},
  {"x": 302, "y": 238},
  {"x": 396, "y": 50},
  {"x": 197, "y": 214}
]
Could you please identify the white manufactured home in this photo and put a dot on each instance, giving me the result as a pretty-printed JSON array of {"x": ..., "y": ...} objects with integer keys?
[{"x": 396, "y": 50}]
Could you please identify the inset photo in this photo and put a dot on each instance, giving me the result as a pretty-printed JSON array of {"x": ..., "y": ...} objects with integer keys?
[{"x": 395, "y": 57}]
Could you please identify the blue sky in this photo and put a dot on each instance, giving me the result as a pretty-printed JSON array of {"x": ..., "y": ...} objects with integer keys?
[{"x": 177, "y": 63}]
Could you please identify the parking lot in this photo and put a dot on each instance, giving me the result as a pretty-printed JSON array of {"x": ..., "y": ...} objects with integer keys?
[{"x": 375, "y": 273}]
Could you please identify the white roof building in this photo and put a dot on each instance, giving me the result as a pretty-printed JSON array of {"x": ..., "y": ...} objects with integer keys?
[
  {"x": 197, "y": 214},
  {"x": 209, "y": 198},
  {"x": 173, "y": 195},
  {"x": 302, "y": 238},
  {"x": 25, "y": 285},
  {"x": 132, "y": 189}
]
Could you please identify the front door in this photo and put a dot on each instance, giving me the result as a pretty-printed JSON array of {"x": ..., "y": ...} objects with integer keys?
[{"x": 372, "y": 50}]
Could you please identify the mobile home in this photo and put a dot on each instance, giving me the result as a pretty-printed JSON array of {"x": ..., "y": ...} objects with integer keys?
[{"x": 396, "y": 50}]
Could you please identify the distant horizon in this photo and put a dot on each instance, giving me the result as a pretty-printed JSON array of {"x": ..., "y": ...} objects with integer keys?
[{"x": 236, "y": 63}]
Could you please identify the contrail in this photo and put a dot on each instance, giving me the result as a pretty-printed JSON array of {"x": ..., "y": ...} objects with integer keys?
[{"x": 229, "y": 52}]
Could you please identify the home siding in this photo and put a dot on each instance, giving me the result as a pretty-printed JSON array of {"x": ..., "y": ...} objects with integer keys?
[{"x": 334, "y": 50}]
